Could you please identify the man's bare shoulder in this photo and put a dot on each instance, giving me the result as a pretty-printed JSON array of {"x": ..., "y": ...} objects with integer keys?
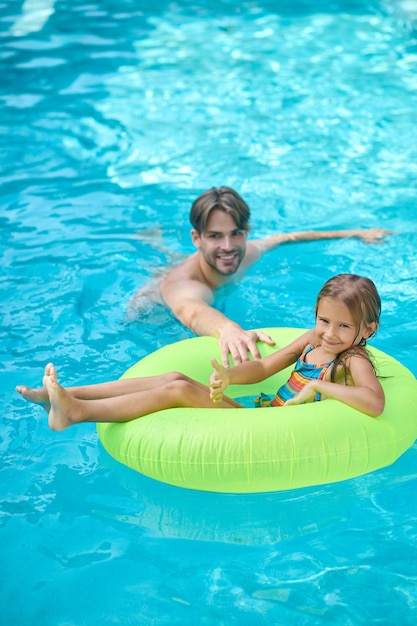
[
  {"x": 189, "y": 269},
  {"x": 185, "y": 281},
  {"x": 253, "y": 252}
]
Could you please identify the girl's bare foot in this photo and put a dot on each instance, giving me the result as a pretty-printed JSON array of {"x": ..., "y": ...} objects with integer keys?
[
  {"x": 37, "y": 396},
  {"x": 64, "y": 409}
]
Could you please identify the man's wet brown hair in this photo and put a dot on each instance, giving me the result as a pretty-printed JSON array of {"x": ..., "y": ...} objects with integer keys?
[{"x": 224, "y": 199}]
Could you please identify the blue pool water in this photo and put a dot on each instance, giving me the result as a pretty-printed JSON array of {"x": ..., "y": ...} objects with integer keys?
[{"x": 114, "y": 117}]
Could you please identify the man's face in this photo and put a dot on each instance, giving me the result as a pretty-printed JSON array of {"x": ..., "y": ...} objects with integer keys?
[{"x": 222, "y": 244}]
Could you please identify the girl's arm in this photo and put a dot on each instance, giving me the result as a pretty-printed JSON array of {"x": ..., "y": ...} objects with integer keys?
[
  {"x": 255, "y": 371},
  {"x": 365, "y": 395}
]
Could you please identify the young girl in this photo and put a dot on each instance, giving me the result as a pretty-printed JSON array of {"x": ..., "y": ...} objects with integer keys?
[{"x": 331, "y": 362}]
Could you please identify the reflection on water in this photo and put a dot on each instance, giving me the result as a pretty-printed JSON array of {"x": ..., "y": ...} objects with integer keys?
[
  {"x": 114, "y": 118},
  {"x": 34, "y": 15}
]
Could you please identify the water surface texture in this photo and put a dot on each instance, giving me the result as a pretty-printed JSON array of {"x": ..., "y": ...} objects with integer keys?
[{"x": 114, "y": 116}]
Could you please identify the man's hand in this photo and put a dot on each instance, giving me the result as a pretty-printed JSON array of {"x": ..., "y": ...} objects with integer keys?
[
  {"x": 372, "y": 235},
  {"x": 219, "y": 381},
  {"x": 240, "y": 343}
]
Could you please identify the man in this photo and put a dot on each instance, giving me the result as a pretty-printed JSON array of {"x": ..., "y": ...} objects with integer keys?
[{"x": 220, "y": 220}]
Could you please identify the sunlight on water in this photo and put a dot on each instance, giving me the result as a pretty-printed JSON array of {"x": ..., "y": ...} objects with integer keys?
[
  {"x": 114, "y": 118},
  {"x": 273, "y": 76}
]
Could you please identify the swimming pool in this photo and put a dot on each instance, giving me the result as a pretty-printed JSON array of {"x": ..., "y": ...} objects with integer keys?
[{"x": 114, "y": 117}]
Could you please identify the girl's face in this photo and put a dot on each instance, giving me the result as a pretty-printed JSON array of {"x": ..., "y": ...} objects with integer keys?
[{"x": 335, "y": 327}]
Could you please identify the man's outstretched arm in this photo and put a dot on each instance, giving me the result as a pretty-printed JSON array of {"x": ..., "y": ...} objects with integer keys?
[
  {"x": 190, "y": 301},
  {"x": 368, "y": 235}
]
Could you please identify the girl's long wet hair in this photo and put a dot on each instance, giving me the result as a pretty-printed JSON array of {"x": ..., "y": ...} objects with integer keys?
[{"x": 361, "y": 297}]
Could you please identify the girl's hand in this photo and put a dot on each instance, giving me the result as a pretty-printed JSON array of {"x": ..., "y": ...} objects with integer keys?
[
  {"x": 305, "y": 395},
  {"x": 219, "y": 380}
]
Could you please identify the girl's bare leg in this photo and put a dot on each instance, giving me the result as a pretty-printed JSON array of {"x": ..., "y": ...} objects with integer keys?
[
  {"x": 101, "y": 390},
  {"x": 65, "y": 410}
]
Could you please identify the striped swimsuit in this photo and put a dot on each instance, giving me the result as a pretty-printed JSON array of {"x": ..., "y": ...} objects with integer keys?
[{"x": 302, "y": 373}]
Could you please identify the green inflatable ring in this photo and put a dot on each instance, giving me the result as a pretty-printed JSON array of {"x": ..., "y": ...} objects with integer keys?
[{"x": 261, "y": 450}]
